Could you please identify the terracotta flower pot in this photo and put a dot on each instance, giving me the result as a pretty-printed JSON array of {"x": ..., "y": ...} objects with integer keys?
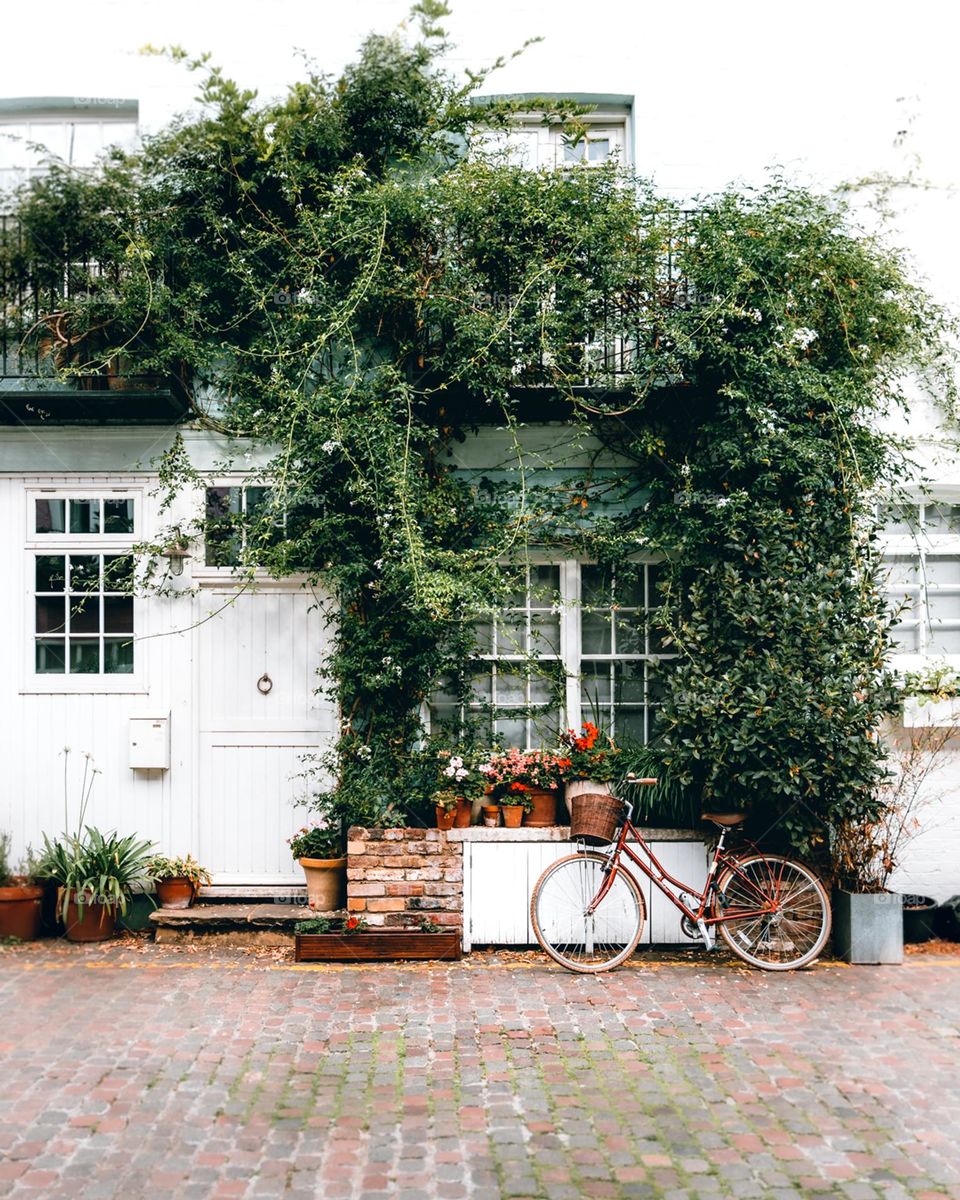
[
  {"x": 512, "y": 815},
  {"x": 326, "y": 883},
  {"x": 491, "y": 815},
  {"x": 464, "y": 814},
  {"x": 176, "y": 892},
  {"x": 544, "y": 811},
  {"x": 20, "y": 912},
  {"x": 95, "y": 923},
  {"x": 445, "y": 817}
]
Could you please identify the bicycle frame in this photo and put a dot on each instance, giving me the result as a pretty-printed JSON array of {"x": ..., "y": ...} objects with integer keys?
[{"x": 661, "y": 877}]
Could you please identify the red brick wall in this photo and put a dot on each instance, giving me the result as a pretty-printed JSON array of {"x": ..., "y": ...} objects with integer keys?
[{"x": 398, "y": 876}]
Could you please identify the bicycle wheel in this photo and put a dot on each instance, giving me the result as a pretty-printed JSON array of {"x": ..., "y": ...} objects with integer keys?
[
  {"x": 796, "y": 927},
  {"x": 558, "y": 913}
]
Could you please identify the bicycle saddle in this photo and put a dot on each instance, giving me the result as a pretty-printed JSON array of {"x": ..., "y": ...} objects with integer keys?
[{"x": 724, "y": 820}]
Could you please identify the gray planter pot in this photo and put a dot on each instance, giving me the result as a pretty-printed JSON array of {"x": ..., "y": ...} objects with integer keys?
[{"x": 868, "y": 927}]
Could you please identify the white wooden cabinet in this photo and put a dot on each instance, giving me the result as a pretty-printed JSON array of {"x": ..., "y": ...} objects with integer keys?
[{"x": 501, "y": 866}]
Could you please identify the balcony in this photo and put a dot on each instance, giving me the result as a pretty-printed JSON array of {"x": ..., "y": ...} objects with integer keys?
[{"x": 48, "y": 375}]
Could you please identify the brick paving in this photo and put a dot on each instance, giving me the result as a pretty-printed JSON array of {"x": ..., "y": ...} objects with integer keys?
[{"x": 140, "y": 1071}]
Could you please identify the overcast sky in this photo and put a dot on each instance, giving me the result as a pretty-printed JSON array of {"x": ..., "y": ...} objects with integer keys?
[{"x": 724, "y": 88}]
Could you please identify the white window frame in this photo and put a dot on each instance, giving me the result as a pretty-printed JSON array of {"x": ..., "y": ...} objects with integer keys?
[
  {"x": 920, "y": 545},
  {"x": 571, "y": 657},
  {"x": 205, "y": 575},
  {"x": 608, "y": 131},
  {"x": 78, "y": 543}
]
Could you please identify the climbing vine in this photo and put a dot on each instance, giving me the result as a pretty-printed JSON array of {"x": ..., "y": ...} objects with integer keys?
[{"x": 353, "y": 278}]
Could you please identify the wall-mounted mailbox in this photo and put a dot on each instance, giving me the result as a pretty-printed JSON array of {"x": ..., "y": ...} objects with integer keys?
[{"x": 150, "y": 743}]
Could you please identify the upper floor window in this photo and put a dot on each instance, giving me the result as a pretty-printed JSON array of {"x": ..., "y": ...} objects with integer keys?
[
  {"x": 922, "y": 576},
  {"x": 81, "y": 582},
  {"x": 597, "y": 146}
]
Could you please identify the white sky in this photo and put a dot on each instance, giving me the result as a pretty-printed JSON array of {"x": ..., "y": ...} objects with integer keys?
[{"x": 724, "y": 88}]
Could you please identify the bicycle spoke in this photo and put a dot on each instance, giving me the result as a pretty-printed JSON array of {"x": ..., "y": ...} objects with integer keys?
[
  {"x": 775, "y": 912},
  {"x": 575, "y": 937}
]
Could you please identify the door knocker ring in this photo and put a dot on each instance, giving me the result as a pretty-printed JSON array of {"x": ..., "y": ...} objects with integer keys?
[{"x": 265, "y": 684}]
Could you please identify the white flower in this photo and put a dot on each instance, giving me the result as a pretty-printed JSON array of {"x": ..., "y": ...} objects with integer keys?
[
  {"x": 803, "y": 337},
  {"x": 449, "y": 772},
  {"x": 329, "y": 447},
  {"x": 756, "y": 316},
  {"x": 456, "y": 761}
]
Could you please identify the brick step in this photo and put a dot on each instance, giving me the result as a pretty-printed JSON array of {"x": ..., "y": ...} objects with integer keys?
[{"x": 250, "y": 924}]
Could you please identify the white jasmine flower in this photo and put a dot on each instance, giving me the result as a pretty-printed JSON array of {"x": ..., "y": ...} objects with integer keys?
[{"x": 803, "y": 337}]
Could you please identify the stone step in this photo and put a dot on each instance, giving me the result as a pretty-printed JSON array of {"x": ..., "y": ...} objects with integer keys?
[
  {"x": 250, "y": 924},
  {"x": 264, "y": 893}
]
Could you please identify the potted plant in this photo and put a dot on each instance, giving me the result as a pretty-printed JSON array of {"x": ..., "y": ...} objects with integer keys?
[
  {"x": 446, "y": 806},
  {"x": 514, "y": 805},
  {"x": 320, "y": 851},
  {"x": 460, "y": 779},
  {"x": 20, "y": 896},
  {"x": 534, "y": 774},
  {"x": 95, "y": 874},
  {"x": 869, "y": 918},
  {"x": 587, "y": 761},
  {"x": 490, "y": 815},
  {"x": 177, "y": 880}
]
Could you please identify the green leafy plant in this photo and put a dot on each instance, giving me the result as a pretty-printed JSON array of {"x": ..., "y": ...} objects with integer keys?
[
  {"x": 316, "y": 925},
  {"x": 446, "y": 800},
  {"x": 159, "y": 867},
  {"x": 318, "y": 841},
  {"x": 936, "y": 681},
  {"x": 6, "y": 873},
  {"x": 95, "y": 868},
  {"x": 667, "y": 803}
]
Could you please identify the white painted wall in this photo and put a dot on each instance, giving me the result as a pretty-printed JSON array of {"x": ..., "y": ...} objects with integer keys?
[{"x": 252, "y": 805}]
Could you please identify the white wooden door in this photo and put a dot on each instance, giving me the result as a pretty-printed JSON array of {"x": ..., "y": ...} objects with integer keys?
[{"x": 257, "y": 659}]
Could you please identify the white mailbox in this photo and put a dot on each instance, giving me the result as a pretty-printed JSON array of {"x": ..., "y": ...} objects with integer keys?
[{"x": 150, "y": 743}]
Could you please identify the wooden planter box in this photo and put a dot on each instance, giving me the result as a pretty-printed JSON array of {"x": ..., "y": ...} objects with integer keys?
[{"x": 376, "y": 945}]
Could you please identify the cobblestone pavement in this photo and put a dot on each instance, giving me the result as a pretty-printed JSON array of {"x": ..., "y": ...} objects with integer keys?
[{"x": 156, "y": 1072}]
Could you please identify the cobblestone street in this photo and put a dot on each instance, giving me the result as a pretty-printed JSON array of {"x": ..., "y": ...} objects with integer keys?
[{"x": 142, "y": 1071}]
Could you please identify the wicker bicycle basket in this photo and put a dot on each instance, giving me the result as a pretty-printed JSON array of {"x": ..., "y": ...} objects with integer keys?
[{"x": 595, "y": 818}]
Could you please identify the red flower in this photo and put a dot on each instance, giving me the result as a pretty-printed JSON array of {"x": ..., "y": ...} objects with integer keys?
[{"x": 351, "y": 923}]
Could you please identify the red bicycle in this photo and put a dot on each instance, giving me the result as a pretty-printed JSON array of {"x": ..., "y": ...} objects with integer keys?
[{"x": 587, "y": 909}]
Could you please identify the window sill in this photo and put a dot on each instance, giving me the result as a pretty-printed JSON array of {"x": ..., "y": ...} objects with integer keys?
[{"x": 102, "y": 685}]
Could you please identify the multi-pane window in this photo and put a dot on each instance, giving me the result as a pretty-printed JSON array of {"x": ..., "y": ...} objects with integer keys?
[
  {"x": 619, "y": 648},
  {"x": 922, "y": 563},
  {"x": 236, "y": 516},
  {"x": 69, "y": 516},
  {"x": 83, "y": 606},
  {"x": 572, "y": 644},
  {"x": 596, "y": 147},
  {"x": 520, "y": 683}
]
